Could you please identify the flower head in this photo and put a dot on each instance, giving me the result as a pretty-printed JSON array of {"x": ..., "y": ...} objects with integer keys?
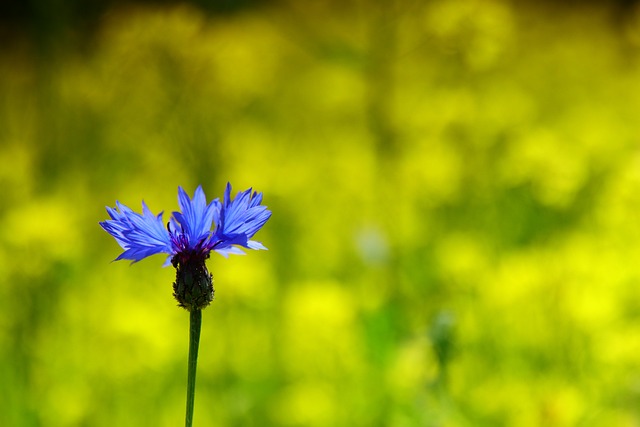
[{"x": 190, "y": 235}]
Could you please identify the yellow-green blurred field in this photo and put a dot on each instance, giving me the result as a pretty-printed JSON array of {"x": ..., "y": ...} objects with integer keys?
[{"x": 455, "y": 239}]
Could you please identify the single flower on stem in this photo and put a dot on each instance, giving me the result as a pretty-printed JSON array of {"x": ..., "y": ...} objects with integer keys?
[{"x": 188, "y": 238}]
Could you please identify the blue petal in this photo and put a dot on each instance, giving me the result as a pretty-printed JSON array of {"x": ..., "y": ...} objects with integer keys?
[
  {"x": 230, "y": 250},
  {"x": 239, "y": 220},
  {"x": 252, "y": 244},
  {"x": 196, "y": 217},
  {"x": 140, "y": 235},
  {"x": 256, "y": 199},
  {"x": 187, "y": 217}
]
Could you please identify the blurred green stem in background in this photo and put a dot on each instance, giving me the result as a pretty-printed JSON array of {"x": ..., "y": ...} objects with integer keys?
[{"x": 194, "y": 341}]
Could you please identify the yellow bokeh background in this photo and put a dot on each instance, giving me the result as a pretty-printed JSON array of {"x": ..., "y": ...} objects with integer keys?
[{"x": 455, "y": 188}]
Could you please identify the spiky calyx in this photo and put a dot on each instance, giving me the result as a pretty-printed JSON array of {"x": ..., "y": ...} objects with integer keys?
[{"x": 193, "y": 288}]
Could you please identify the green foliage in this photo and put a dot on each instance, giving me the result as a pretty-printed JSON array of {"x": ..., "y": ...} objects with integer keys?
[{"x": 454, "y": 188}]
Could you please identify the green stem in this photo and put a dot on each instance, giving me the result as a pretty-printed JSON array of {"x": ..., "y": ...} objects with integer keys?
[{"x": 194, "y": 341}]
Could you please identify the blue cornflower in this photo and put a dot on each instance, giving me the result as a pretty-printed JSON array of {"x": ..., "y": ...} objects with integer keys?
[{"x": 190, "y": 236}]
